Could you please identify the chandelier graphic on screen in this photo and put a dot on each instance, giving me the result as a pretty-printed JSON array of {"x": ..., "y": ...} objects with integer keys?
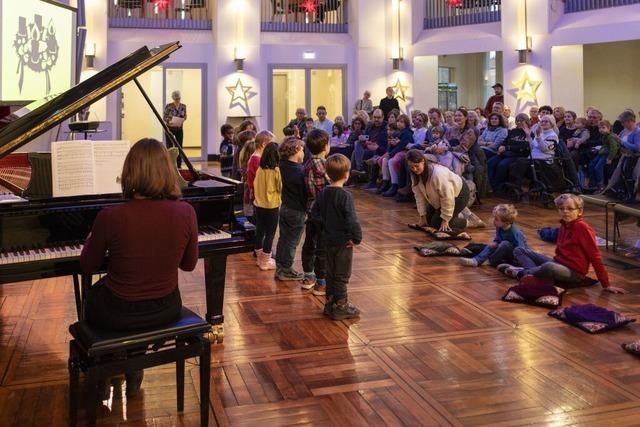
[{"x": 36, "y": 47}]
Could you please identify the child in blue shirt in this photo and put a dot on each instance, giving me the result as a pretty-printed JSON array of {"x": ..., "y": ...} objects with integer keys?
[{"x": 508, "y": 237}]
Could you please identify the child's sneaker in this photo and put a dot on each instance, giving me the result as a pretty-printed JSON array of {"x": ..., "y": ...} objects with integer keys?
[
  {"x": 469, "y": 262},
  {"x": 320, "y": 288},
  {"x": 328, "y": 306},
  {"x": 288, "y": 274},
  {"x": 512, "y": 271},
  {"x": 308, "y": 281},
  {"x": 342, "y": 309}
]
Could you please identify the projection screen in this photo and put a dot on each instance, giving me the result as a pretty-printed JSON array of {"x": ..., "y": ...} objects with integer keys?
[{"x": 37, "y": 49}]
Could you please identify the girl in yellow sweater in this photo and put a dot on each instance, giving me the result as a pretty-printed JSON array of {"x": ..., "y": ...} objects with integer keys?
[{"x": 267, "y": 189}]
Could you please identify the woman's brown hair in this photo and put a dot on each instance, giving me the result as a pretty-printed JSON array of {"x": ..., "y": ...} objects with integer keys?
[
  {"x": 149, "y": 173},
  {"x": 417, "y": 156}
]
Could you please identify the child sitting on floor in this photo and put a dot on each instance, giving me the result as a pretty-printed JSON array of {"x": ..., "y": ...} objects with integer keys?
[
  {"x": 575, "y": 250},
  {"x": 508, "y": 237}
]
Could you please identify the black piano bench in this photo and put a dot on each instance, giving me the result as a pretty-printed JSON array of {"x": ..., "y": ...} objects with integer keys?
[{"x": 102, "y": 354}]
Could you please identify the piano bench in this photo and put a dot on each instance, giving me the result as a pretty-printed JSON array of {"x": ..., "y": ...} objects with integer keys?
[{"x": 102, "y": 354}]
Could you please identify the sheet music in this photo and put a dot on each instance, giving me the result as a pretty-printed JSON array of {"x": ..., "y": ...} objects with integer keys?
[
  {"x": 176, "y": 121},
  {"x": 108, "y": 159},
  {"x": 72, "y": 168}
]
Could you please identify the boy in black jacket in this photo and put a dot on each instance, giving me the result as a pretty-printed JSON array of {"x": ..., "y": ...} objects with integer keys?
[
  {"x": 335, "y": 210},
  {"x": 293, "y": 208}
]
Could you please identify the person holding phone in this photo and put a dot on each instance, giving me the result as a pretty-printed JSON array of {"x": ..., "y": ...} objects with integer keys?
[{"x": 371, "y": 144}]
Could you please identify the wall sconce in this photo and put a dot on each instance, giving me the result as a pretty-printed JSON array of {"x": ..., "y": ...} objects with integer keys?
[
  {"x": 90, "y": 55},
  {"x": 238, "y": 58},
  {"x": 397, "y": 55},
  {"x": 524, "y": 42}
]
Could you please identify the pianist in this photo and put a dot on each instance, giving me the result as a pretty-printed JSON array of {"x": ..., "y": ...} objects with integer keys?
[
  {"x": 147, "y": 239},
  {"x": 175, "y": 113}
]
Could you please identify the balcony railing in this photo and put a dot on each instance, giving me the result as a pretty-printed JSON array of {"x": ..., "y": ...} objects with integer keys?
[
  {"x": 304, "y": 16},
  {"x": 571, "y": 6},
  {"x": 440, "y": 14},
  {"x": 165, "y": 14}
]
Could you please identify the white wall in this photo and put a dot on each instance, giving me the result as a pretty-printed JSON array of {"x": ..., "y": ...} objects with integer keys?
[
  {"x": 611, "y": 77},
  {"x": 567, "y": 84}
]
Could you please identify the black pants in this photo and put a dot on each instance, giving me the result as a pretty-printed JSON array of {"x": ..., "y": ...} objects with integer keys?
[
  {"x": 108, "y": 311},
  {"x": 456, "y": 224},
  {"x": 314, "y": 254},
  {"x": 179, "y": 134},
  {"x": 339, "y": 261},
  {"x": 266, "y": 225}
]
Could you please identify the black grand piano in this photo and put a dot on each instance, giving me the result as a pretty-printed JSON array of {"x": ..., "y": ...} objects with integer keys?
[{"x": 41, "y": 236}]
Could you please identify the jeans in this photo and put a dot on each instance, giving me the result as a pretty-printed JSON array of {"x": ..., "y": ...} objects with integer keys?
[
  {"x": 503, "y": 253},
  {"x": 457, "y": 224},
  {"x": 360, "y": 154},
  {"x": 596, "y": 170},
  {"x": 266, "y": 225},
  {"x": 313, "y": 250},
  {"x": 107, "y": 311},
  {"x": 498, "y": 167},
  {"x": 542, "y": 266},
  {"x": 291, "y": 228},
  {"x": 339, "y": 261}
]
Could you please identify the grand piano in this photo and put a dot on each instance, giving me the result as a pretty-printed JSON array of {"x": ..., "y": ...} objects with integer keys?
[{"x": 42, "y": 236}]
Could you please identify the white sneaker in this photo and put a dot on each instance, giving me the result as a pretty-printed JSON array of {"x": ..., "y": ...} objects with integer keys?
[{"x": 469, "y": 262}]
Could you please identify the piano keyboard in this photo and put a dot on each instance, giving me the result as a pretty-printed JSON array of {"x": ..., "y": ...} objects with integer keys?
[{"x": 73, "y": 249}]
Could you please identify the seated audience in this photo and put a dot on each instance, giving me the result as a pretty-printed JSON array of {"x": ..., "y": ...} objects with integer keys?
[
  {"x": 533, "y": 112},
  {"x": 364, "y": 103},
  {"x": 542, "y": 145},
  {"x": 494, "y": 135},
  {"x": 298, "y": 122},
  {"x": 623, "y": 183},
  {"x": 372, "y": 144},
  {"x": 440, "y": 149},
  {"x": 496, "y": 97},
  {"x": 323, "y": 123},
  {"x": 607, "y": 155},
  {"x": 395, "y": 155},
  {"x": 509, "y": 120},
  {"x": 576, "y": 249},
  {"x": 558, "y": 114},
  {"x": 514, "y": 147},
  {"x": 338, "y": 141}
]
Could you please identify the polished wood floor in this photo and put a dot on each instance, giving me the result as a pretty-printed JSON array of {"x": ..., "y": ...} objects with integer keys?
[{"x": 434, "y": 346}]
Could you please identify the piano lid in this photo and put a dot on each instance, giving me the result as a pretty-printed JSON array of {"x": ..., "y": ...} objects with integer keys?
[{"x": 40, "y": 116}]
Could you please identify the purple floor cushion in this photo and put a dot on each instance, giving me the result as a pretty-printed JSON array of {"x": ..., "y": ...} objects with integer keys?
[
  {"x": 540, "y": 294},
  {"x": 591, "y": 318},
  {"x": 632, "y": 347}
]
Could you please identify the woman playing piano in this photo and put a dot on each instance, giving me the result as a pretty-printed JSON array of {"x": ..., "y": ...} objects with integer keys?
[{"x": 147, "y": 239}]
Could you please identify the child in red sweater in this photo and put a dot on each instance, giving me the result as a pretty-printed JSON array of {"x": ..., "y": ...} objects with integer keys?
[{"x": 575, "y": 250}]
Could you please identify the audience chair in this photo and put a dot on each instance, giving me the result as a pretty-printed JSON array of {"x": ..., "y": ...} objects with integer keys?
[{"x": 101, "y": 354}]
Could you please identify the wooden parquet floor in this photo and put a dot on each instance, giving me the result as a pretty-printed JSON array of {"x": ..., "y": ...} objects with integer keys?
[{"x": 434, "y": 346}]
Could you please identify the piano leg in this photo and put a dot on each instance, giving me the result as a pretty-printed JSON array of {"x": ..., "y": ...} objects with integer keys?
[{"x": 215, "y": 269}]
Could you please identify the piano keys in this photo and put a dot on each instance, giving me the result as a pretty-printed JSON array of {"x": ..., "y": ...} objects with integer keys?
[{"x": 42, "y": 236}]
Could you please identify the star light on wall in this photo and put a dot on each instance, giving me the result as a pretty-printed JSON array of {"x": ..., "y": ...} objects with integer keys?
[
  {"x": 526, "y": 87},
  {"x": 309, "y": 6},
  {"x": 398, "y": 90},
  {"x": 161, "y": 4},
  {"x": 239, "y": 95}
]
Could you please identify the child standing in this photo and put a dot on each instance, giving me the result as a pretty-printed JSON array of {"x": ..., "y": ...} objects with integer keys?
[
  {"x": 335, "y": 210},
  {"x": 262, "y": 139},
  {"x": 508, "y": 237},
  {"x": 575, "y": 250},
  {"x": 315, "y": 176},
  {"x": 267, "y": 192},
  {"x": 226, "y": 150},
  {"x": 293, "y": 209},
  {"x": 606, "y": 155}
]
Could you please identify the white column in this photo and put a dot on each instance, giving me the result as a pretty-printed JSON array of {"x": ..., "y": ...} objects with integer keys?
[
  {"x": 567, "y": 74},
  {"x": 425, "y": 92},
  {"x": 534, "y": 76},
  {"x": 97, "y": 29}
]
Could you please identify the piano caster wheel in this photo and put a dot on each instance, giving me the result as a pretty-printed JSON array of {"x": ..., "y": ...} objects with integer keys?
[{"x": 217, "y": 334}]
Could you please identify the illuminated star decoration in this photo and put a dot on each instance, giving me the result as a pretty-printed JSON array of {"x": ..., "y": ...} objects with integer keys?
[
  {"x": 398, "y": 90},
  {"x": 161, "y": 4},
  {"x": 309, "y": 6},
  {"x": 526, "y": 87},
  {"x": 454, "y": 3},
  {"x": 239, "y": 95}
]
